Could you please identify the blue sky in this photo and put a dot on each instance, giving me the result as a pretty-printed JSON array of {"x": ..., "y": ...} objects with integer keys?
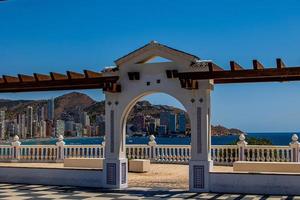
[{"x": 59, "y": 35}]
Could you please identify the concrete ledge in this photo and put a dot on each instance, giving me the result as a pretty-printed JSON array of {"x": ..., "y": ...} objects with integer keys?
[
  {"x": 43, "y": 176},
  {"x": 248, "y": 166},
  {"x": 139, "y": 165},
  {"x": 84, "y": 162},
  {"x": 255, "y": 183}
]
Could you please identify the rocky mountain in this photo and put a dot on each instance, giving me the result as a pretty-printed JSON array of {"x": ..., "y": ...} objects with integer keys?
[{"x": 70, "y": 105}]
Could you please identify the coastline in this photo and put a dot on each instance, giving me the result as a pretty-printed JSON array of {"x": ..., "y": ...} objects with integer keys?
[{"x": 277, "y": 138}]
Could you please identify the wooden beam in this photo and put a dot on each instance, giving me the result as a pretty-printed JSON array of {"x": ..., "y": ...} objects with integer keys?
[
  {"x": 10, "y": 79},
  {"x": 67, "y": 84},
  {"x": 213, "y": 67},
  {"x": 247, "y": 73},
  {"x": 234, "y": 66},
  {"x": 2, "y": 80},
  {"x": 257, "y": 65},
  {"x": 279, "y": 63},
  {"x": 42, "y": 77},
  {"x": 56, "y": 76},
  {"x": 91, "y": 74},
  {"x": 256, "y": 80},
  {"x": 75, "y": 75},
  {"x": 26, "y": 78}
]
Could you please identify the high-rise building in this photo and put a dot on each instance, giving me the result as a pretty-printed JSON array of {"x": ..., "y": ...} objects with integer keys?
[
  {"x": 50, "y": 109},
  {"x": 35, "y": 129},
  {"x": 172, "y": 123},
  {"x": 11, "y": 128},
  {"x": 29, "y": 121},
  {"x": 139, "y": 122},
  {"x": 43, "y": 129},
  {"x": 85, "y": 119},
  {"x": 162, "y": 130},
  {"x": 152, "y": 128},
  {"x": 78, "y": 130},
  {"x": 181, "y": 123},
  {"x": 60, "y": 127},
  {"x": 164, "y": 118},
  {"x": 69, "y": 128},
  {"x": 2, "y": 124},
  {"x": 49, "y": 128},
  {"x": 41, "y": 114}
]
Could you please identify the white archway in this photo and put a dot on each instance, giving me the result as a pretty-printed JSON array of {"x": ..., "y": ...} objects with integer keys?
[{"x": 138, "y": 79}]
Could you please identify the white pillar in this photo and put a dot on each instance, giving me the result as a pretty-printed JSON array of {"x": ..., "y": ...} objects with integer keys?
[
  {"x": 16, "y": 148},
  {"x": 295, "y": 146},
  {"x": 242, "y": 144},
  {"x": 152, "y": 143},
  {"x": 200, "y": 164},
  {"x": 115, "y": 164},
  {"x": 60, "y": 156}
]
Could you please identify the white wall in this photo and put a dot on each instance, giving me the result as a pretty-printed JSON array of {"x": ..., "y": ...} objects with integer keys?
[
  {"x": 255, "y": 183},
  {"x": 65, "y": 177}
]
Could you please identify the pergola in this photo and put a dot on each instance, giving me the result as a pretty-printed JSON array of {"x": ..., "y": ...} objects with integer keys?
[{"x": 186, "y": 77}]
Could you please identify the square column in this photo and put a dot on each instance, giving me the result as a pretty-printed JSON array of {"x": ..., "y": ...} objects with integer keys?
[
  {"x": 115, "y": 165},
  {"x": 116, "y": 173},
  {"x": 200, "y": 164}
]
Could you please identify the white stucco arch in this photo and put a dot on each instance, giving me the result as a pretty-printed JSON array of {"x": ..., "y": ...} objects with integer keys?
[{"x": 152, "y": 78}]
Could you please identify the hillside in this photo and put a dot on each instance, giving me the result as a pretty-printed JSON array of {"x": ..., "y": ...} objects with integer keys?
[{"x": 68, "y": 107}]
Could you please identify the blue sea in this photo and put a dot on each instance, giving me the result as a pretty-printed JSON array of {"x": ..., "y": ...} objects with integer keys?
[{"x": 276, "y": 139}]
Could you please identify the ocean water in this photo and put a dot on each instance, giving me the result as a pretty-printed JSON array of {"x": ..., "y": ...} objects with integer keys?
[{"x": 276, "y": 139}]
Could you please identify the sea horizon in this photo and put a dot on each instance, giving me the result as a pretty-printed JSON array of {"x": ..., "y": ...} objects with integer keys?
[{"x": 277, "y": 138}]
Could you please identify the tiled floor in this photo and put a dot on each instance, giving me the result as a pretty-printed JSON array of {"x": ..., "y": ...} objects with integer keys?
[{"x": 40, "y": 192}]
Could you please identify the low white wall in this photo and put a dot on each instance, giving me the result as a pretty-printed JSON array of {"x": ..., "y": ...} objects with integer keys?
[
  {"x": 50, "y": 176},
  {"x": 255, "y": 183}
]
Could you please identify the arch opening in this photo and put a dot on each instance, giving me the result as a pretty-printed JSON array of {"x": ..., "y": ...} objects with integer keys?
[{"x": 165, "y": 117}]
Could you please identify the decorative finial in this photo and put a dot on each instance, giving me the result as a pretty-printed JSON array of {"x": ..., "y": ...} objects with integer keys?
[
  {"x": 152, "y": 141},
  {"x": 152, "y": 137},
  {"x": 295, "y": 137},
  {"x": 242, "y": 137},
  {"x": 60, "y": 138},
  {"x": 16, "y": 138},
  {"x": 153, "y": 42}
]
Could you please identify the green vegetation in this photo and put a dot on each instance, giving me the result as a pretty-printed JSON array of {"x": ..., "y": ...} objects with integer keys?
[{"x": 255, "y": 141}]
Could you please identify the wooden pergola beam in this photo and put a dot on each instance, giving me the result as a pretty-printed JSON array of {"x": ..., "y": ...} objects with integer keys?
[
  {"x": 26, "y": 78},
  {"x": 234, "y": 66},
  {"x": 214, "y": 67},
  {"x": 257, "y": 65},
  {"x": 247, "y": 73},
  {"x": 75, "y": 75},
  {"x": 42, "y": 77},
  {"x": 65, "y": 84},
  {"x": 56, "y": 76},
  {"x": 10, "y": 79},
  {"x": 92, "y": 74},
  {"x": 279, "y": 63},
  {"x": 257, "y": 80}
]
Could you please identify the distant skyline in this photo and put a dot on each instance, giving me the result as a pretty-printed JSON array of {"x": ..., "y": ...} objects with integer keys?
[{"x": 60, "y": 35}]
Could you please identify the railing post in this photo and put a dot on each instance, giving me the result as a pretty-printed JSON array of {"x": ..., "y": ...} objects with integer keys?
[
  {"x": 15, "y": 149},
  {"x": 294, "y": 145},
  {"x": 60, "y": 155},
  {"x": 242, "y": 144},
  {"x": 152, "y": 143},
  {"x": 103, "y": 148}
]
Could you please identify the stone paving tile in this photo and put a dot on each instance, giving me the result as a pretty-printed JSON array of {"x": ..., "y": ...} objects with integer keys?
[{"x": 42, "y": 192}]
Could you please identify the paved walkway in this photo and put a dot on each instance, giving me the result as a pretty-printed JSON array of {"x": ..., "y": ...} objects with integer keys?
[
  {"x": 41, "y": 192},
  {"x": 160, "y": 175}
]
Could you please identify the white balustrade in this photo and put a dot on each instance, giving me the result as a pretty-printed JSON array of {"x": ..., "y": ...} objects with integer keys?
[
  {"x": 84, "y": 151},
  {"x": 224, "y": 154},
  {"x": 220, "y": 154}
]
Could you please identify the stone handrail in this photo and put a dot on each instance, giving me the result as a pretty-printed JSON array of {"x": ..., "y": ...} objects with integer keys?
[{"x": 220, "y": 154}]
